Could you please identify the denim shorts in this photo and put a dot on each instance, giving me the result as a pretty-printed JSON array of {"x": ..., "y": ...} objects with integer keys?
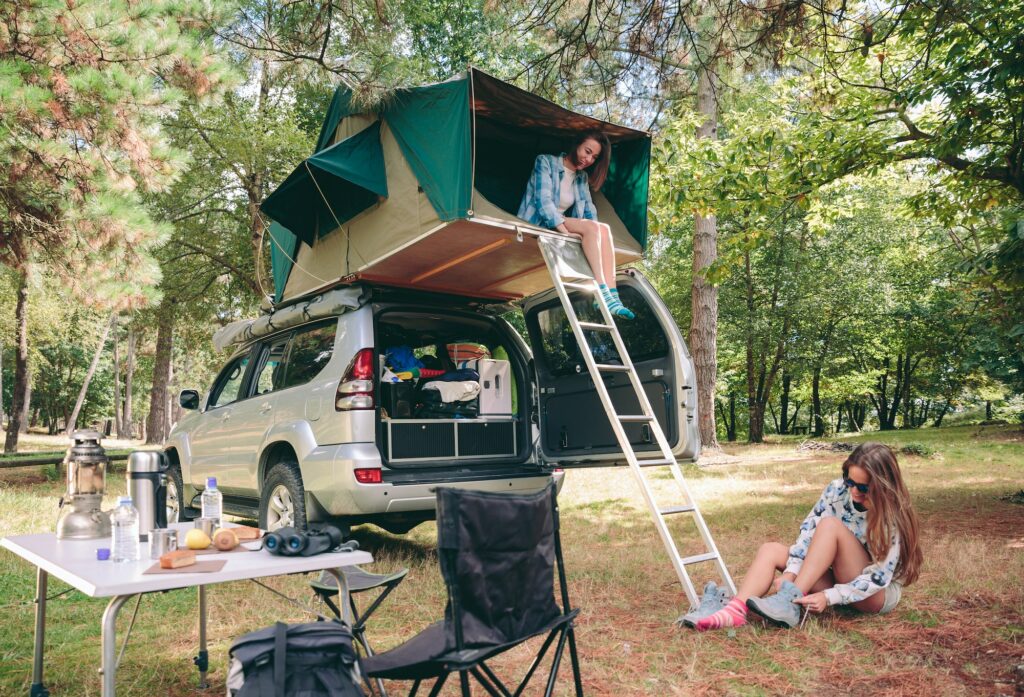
[{"x": 893, "y": 593}]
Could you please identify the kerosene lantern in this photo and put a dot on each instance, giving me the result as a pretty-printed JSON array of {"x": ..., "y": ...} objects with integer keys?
[{"x": 86, "y": 466}]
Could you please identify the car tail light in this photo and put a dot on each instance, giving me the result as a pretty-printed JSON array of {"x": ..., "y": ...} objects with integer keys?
[
  {"x": 355, "y": 391},
  {"x": 368, "y": 475}
]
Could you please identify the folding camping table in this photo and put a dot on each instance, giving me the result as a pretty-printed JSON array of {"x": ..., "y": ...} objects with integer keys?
[{"x": 74, "y": 562}]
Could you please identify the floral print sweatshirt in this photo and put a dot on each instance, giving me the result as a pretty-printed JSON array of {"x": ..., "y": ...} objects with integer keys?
[{"x": 836, "y": 501}]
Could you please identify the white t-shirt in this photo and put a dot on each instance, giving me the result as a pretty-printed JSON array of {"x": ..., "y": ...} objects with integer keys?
[{"x": 567, "y": 194}]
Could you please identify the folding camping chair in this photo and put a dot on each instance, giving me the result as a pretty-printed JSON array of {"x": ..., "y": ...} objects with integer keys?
[{"x": 497, "y": 554}]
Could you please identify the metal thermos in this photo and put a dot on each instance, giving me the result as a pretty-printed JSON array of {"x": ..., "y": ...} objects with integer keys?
[{"x": 147, "y": 485}]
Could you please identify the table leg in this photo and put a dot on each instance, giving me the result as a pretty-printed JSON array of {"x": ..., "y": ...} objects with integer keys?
[
  {"x": 344, "y": 602},
  {"x": 202, "y": 661},
  {"x": 38, "y": 689},
  {"x": 108, "y": 667}
]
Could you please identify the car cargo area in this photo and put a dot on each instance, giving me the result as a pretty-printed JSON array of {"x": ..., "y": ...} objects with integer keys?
[{"x": 449, "y": 390}]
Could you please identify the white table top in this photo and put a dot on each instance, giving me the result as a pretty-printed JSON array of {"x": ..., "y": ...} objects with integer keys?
[{"x": 74, "y": 562}]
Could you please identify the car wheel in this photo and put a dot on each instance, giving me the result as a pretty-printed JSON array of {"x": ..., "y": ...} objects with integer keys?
[
  {"x": 283, "y": 499},
  {"x": 177, "y": 511}
]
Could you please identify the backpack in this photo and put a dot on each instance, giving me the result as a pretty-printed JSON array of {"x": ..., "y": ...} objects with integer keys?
[{"x": 315, "y": 659}]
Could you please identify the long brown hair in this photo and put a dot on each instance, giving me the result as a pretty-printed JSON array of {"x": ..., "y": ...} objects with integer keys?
[
  {"x": 890, "y": 510},
  {"x": 597, "y": 172}
]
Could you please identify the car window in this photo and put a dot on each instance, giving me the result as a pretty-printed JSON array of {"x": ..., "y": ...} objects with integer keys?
[
  {"x": 311, "y": 349},
  {"x": 271, "y": 374},
  {"x": 643, "y": 336},
  {"x": 229, "y": 383}
]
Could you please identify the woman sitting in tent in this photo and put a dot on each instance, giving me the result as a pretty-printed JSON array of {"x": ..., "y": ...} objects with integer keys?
[{"x": 558, "y": 197}]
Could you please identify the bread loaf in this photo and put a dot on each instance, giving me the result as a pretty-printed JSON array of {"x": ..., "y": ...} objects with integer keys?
[
  {"x": 225, "y": 539},
  {"x": 245, "y": 533},
  {"x": 177, "y": 559}
]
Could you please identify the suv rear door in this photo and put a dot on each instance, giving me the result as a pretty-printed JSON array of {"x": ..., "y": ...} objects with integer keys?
[{"x": 573, "y": 425}]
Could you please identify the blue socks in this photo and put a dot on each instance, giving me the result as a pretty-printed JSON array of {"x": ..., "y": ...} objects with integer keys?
[{"x": 615, "y": 306}]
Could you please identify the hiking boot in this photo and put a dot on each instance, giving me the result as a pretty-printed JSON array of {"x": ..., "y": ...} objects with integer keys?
[
  {"x": 713, "y": 600},
  {"x": 779, "y": 609}
]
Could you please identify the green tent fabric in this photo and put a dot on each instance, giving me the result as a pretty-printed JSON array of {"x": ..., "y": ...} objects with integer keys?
[
  {"x": 432, "y": 127},
  {"x": 349, "y": 175},
  {"x": 282, "y": 250},
  {"x": 627, "y": 185},
  {"x": 341, "y": 106}
]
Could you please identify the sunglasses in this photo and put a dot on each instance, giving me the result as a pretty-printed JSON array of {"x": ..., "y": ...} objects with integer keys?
[{"x": 850, "y": 484}]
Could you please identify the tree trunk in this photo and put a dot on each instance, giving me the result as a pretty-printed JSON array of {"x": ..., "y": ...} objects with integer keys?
[
  {"x": 756, "y": 429},
  {"x": 787, "y": 380},
  {"x": 156, "y": 423},
  {"x": 19, "y": 401},
  {"x": 118, "y": 424},
  {"x": 731, "y": 432},
  {"x": 28, "y": 405},
  {"x": 73, "y": 419},
  {"x": 942, "y": 414},
  {"x": 129, "y": 373},
  {"x": 818, "y": 427},
  {"x": 1, "y": 384},
  {"x": 704, "y": 305},
  {"x": 988, "y": 410}
]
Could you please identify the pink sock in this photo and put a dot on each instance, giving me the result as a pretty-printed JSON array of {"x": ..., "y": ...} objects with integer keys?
[{"x": 734, "y": 614}]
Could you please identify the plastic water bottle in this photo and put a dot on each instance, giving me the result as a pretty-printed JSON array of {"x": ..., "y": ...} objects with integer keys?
[
  {"x": 124, "y": 526},
  {"x": 212, "y": 501}
]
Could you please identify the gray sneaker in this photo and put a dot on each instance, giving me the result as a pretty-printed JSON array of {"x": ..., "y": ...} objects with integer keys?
[
  {"x": 779, "y": 609},
  {"x": 713, "y": 600}
]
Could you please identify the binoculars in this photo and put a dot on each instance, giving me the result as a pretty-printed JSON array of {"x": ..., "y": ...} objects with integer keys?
[{"x": 289, "y": 542}]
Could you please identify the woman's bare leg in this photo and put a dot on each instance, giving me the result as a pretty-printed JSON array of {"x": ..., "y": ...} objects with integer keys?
[
  {"x": 836, "y": 552},
  {"x": 590, "y": 232},
  {"x": 770, "y": 558},
  {"x": 607, "y": 254}
]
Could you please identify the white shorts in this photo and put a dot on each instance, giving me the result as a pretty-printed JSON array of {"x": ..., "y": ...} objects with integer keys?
[{"x": 893, "y": 593}]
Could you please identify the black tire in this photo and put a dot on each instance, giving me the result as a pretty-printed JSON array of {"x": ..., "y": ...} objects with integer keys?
[
  {"x": 177, "y": 510},
  {"x": 283, "y": 493}
]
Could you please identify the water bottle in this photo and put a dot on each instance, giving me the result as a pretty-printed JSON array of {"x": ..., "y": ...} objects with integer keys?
[
  {"x": 124, "y": 526},
  {"x": 213, "y": 501}
]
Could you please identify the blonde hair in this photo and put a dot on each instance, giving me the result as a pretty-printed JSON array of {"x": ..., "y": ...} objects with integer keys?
[{"x": 890, "y": 511}]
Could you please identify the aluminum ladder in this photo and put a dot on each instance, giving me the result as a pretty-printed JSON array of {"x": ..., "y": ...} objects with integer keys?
[{"x": 571, "y": 272}]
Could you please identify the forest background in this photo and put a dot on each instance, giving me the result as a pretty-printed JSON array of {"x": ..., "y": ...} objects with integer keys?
[{"x": 836, "y": 204}]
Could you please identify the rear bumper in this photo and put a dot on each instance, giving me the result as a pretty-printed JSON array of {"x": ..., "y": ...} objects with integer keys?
[{"x": 329, "y": 479}]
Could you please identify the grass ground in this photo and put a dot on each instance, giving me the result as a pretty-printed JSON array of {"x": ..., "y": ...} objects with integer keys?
[{"x": 958, "y": 631}]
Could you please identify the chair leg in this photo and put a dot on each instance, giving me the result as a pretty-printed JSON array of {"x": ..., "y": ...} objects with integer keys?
[
  {"x": 415, "y": 687},
  {"x": 464, "y": 683},
  {"x": 494, "y": 690},
  {"x": 535, "y": 664},
  {"x": 555, "y": 663},
  {"x": 438, "y": 684},
  {"x": 494, "y": 679},
  {"x": 576, "y": 674}
]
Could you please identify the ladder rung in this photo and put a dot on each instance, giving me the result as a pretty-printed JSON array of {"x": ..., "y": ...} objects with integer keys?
[
  {"x": 677, "y": 509},
  {"x": 587, "y": 287},
  {"x": 635, "y": 418},
  {"x": 698, "y": 558},
  {"x": 596, "y": 327},
  {"x": 609, "y": 368},
  {"x": 660, "y": 462}
]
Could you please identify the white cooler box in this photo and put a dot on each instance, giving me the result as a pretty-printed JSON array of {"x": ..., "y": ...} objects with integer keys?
[{"x": 495, "y": 385}]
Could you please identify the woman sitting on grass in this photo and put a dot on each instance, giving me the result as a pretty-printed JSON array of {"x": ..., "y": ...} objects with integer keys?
[
  {"x": 858, "y": 546},
  {"x": 558, "y": 197}
]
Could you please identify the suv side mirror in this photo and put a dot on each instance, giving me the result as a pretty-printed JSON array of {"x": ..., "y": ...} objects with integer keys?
[{"x": 188, "y": 399}]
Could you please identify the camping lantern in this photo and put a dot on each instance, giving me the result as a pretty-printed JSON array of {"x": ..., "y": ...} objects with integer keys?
[{"x": 86, "y": 466}]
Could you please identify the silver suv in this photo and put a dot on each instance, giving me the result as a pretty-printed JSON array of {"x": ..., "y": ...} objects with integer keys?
[{"x": 298, "y": 427}]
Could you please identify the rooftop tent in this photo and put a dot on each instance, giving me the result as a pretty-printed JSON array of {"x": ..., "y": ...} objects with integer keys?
[{"x": 426, "y": 190}]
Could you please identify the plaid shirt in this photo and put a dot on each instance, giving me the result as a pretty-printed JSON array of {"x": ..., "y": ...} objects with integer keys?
[{"x": 540, "y": 202}]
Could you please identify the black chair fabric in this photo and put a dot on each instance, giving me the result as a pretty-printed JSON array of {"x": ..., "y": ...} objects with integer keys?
[{"x": 498, "y": 555}]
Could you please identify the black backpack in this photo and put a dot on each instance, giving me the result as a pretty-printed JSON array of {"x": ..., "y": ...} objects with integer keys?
[{"x": 315, "y": 659}]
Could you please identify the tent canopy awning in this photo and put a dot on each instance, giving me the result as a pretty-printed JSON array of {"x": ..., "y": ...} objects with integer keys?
[{"x": 331, "y": 187}]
